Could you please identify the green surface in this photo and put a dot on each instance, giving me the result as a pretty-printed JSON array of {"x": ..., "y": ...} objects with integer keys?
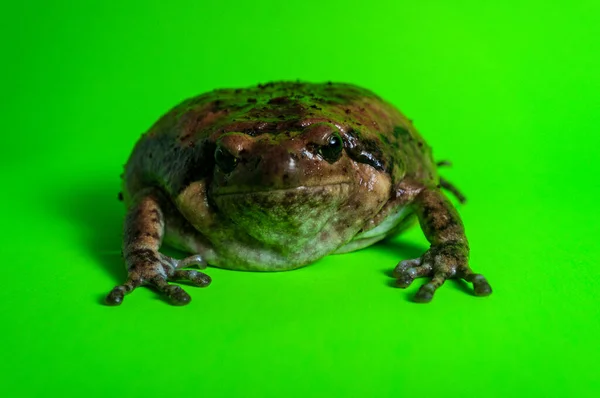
[{"x": 509, "y": 92}]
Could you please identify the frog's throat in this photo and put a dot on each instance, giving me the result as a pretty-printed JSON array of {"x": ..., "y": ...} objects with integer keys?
[{"x": 284, "y": 217}]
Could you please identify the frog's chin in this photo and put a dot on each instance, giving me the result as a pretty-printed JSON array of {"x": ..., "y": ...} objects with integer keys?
[
  {"x": 283, "y": 217},
  {"x": 298, "y": 190}
]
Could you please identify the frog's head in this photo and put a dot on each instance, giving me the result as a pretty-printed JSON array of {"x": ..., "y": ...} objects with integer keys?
[{"x": 282, "y": 188}]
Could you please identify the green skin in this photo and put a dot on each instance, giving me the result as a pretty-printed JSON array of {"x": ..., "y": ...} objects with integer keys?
[{"x": 274, "y": 177}]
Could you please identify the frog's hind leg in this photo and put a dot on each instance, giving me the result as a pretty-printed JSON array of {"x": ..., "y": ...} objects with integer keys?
[
  {"x": 447, "y": 185},
  {"x": 444, "y": 163},
  {"x": 143, "y": 236}
]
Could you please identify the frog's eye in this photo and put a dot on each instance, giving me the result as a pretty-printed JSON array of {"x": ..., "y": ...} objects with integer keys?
[
  {"x": 225, "y": 160},
  {"x": 333, "y": 149}
]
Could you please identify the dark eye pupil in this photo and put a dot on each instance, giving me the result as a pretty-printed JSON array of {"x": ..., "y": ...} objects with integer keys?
[
  {"x": 332, "y": 151},
  {"x": 225, "y": 160}
]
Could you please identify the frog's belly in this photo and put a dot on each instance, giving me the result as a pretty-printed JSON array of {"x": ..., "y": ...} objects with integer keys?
[
  {"x": 237, "y": 255},
  {"x": 393, "y": 224}
]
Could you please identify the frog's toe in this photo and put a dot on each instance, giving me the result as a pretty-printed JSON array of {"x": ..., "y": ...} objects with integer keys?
[
  {"x": 481, "y": 287},
  {"x": 404, "y": 265},
  {"x": 174, "y": 293},
  {"x": 197, "y": 278},
  {"x": 408, "y": 270},
  {"x": 173, "y": 273},
  {"x": 116, "y": 296},
  {"x": 196, "y": 259},
  {"x": 426, "y": 292}
]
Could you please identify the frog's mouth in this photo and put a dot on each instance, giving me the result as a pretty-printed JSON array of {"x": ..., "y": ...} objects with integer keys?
[
  {"x": 287, "y": 216},
  {"x": 219, "y": 192}
]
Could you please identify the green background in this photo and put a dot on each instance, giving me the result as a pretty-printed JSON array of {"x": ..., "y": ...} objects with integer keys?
[{"x": 509, "y": 91}]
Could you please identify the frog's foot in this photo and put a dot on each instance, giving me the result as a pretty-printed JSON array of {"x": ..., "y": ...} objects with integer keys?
[
  {"x": 155, "y": 269},
  {"x": 440, "y": 263}
]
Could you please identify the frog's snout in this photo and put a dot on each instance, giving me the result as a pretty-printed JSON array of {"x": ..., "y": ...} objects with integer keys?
[
  {"x": 245, "y": 157},
  {"x": 310, "y": 157}
]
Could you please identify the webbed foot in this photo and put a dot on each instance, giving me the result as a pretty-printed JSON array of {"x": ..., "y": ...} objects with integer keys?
[
  {"x": 153, "y": 268},
  {"x": 440, "y": 263}
]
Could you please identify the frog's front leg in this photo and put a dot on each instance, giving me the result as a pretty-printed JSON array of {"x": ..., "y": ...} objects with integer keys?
[
  {"x": 449, "y": 252},
  {"x": 143, "y": 235}
]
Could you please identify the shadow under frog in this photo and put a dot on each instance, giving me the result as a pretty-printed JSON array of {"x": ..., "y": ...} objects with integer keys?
[{"x": 95, "y": 207}]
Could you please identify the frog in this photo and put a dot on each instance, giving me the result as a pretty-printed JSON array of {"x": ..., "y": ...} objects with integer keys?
[{"x": 277, "y": 176}]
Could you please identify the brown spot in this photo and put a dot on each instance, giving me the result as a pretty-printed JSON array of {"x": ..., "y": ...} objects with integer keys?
[
  {"x": 279, "y": 100},
  {"x": 140, "y": 255},
  {"x": 152, "y": 235},
  {"x": 155, "y": 211},
  {"x": 440, "y": 221}
]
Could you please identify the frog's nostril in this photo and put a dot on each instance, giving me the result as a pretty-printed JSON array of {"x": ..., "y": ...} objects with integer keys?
[{"x": 225, "y": 160}]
